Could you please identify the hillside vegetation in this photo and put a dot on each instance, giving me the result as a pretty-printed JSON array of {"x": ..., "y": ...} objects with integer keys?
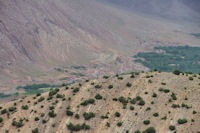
[{"x": 130, "y": 103}]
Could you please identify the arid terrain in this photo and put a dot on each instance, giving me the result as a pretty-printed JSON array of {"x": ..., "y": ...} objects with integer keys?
[
  {"x": 153, "y": 101},
  {"x": 46, "y": 40}
]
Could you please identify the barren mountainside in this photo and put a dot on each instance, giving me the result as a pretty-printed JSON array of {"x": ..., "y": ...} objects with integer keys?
[
  {"x": 151, "y": 102},
  {"x": 38, "y": 38}
]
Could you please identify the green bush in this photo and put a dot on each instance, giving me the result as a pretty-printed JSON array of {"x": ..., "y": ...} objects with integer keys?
[
  {"x": 110, "y": 86},
  {"x": 128, "y": 84},
  {"x": 88, "y": 116},
  {"x": 176, "y": 72},
  {"x": 24, "y": 107},
  {"x": 35, "y": 130},
  {"x": 98, "y": 96},
  {"x": 146, "y": 122},
  {"x": 1, "y": 119},
  {"x": 172, "y": 128},
  {"x": 98, "y": 86},
  {"x": 141, "y": 102},
  {"x": 3, "y": 111},
  {"x": 156, "y": 114},
  {"x": 77, "y": 127},
  {"x": 182, "y": 121},
  {"x": 37, "y": 119},
  {"x": 154, "y": 95},
  {"x": 76, "y": 90},
  {"x": 190, "y": 78},
  {"x": 86, "y": 102},
  {"x": 18, "y": 124},
  {"x": 173, "y": 96},
  {"x": 77, "y": 116},
  {"x": 52, "y": 114},
  {"x": 11, "y": 109},
  {"x": 119, "y": 124},
  {"x": 69, "y": 113},
  {"x": 131, "y": 108},
  {"x": 41, "y": 99},
  {"x": 117, "y": 114},
  {"x": 150, "y": 130}
]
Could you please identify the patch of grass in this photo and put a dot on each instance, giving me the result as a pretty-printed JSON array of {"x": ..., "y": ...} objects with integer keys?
[{"x": 183, "y": 58}]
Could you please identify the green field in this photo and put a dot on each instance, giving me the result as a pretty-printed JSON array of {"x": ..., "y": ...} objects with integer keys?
[
  {"x": 196, "y": 35},
  {"x": 182, "y": 58}
]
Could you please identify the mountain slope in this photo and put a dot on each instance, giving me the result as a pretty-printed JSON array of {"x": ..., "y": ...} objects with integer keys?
[
  {"x": 37, "y": 38},
  {"x": 164, "y": 101}
]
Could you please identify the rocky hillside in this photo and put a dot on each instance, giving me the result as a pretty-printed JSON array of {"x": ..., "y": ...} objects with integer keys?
[{"x": 151, "y": 102}]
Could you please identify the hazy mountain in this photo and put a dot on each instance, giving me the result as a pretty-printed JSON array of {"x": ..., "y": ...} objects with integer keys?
[
  {"x": 175, "y": 9},
  {"x": 37, "y": 38}
]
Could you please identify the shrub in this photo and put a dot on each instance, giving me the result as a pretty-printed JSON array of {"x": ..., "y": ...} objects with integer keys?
[
  {"x": 146, "y": 122},
  {"x": 3, "y": 111},
  {"x": 76, "y": 90},
  {"x": 98, "y": 96},
  {"x": 88, "y": 116},
  {"x": 37, "y": 119},
  {"x": 1, "y": 119},
  {"x": 104, "y": 116},
  {"x": 119, "y": 124},
  {"x": 141, "y": 102},
  {"x": 41, "y": 99},
  {"x": 156, "y": 114},
  {"x": 154, "y": 95},
  {"x": 38, "y": 94},
  {"x": 51, "y": 107},
  {"x": 172, "y": 128},
  {"x": 18, "y": 124},
  {"x": 117, "y": 114},
  {"x": 131, "y": 108},
  {"x": 133, "y": 101},
  {"x": 78, "y": 127},
  {"x": 176, "y": 72},
  {"x": 110, "y": 86},
  {"x": 53, "y": 92},
  {"x": 175, "y": 106},
  {"x": 35, "y": 130},
  {"x": 24, "y": 107},
  {"x": 98, "y": 86},
  {"x": 59, "y": 96},
  {"x": 86, "y": 102},
  {"x": 77, "y": 116},
  {"x": 190, "y": 78},
  {"x": 42, "y": 114},
  {"x": 128, "y": 84},
  {"x": 194, "y": 112},
  {"x": 105, "y": 77},
  {"x": 163, "y": 83},
  {"x": 182, "y": 121},
  {"x": 123, "y": 100},
  {"x": 11, "y": 109},
  {"x": 107, "y": 124},
  {"x": 52, "y": 114},
  {"x": 173, "y": 96},
  {"x": 150, "y": 130},
  {"x": 69, "y": 113},
  {"x": 44, "y": 121}
]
